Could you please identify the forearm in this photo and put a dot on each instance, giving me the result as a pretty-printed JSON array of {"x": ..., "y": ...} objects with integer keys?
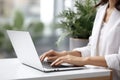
[
  {"x": 73, "y": 53},
  {"x": 97, "y": 61}
]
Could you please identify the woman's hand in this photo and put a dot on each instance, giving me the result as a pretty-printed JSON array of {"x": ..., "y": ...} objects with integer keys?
[
  {"x": 72, "y": 57},
  {"x": 52, "y": 55},
  {"x": 78, "y": 61}
]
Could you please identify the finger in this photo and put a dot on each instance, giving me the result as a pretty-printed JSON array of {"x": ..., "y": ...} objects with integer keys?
[
  {"x": 46, "y": 55},
  {"x": 56, "y": 61},
  {"x": 42, "y": 57},
  {"x": 52, "y": 58}
]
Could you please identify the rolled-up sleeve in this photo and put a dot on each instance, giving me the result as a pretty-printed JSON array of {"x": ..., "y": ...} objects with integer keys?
[
  {"x": 85, "y": 51},
  {"x": 113, "y": 61}
]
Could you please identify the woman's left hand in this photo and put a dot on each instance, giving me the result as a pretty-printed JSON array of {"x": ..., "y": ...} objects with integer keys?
[{"x": 78, "y": 61}]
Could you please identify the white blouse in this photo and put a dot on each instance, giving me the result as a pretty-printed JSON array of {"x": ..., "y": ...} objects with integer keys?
[
  {"x": 105, "y": 40},
  {"x": 103, "y": 31}
]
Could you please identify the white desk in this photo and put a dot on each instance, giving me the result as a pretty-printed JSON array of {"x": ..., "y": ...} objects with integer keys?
[{"x": 13, "y": 69}]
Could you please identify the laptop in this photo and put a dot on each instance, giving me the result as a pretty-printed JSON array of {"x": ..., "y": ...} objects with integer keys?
[{"x": 27, "y": 54}]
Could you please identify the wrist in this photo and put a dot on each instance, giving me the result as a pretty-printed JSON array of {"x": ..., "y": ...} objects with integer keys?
[
  {"x": 76, "y": 53},
  {"x": 85, "y": 60},
  {"x": 64, "y": 53}
]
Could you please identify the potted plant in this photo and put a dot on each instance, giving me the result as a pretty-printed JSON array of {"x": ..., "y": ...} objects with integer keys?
[{"x": 78, "y": 24}]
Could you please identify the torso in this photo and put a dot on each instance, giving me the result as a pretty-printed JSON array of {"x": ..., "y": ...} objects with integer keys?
[{"x": 107, "y": 15}]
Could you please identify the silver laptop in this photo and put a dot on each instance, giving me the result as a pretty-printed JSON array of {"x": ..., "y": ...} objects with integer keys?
[{"x": 27, "y": 54}]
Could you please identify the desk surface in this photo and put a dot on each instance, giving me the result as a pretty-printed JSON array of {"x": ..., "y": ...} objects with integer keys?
[{"x": 13, "y": 69}]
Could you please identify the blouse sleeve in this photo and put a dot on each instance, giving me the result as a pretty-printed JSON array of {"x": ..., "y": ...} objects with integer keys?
[
  {"x": 113, "y": 60},
  {"x": 85, "y": 51}
]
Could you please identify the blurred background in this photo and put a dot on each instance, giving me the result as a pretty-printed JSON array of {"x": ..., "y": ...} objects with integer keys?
[{"x": 39, "y": 17}]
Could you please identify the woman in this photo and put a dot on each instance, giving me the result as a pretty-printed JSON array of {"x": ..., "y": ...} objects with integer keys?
[{"x": 103, "y": 48}]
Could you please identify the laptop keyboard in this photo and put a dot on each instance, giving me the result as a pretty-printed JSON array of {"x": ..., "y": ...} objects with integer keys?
[{"x": 47, "y": 65}]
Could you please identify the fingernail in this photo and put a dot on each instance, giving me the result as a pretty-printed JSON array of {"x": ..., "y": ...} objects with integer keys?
[{"x": 51, "y": 65}]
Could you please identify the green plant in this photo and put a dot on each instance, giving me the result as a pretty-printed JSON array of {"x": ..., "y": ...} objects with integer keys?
[
  {"x": 79, "y": 23},
  {"x": 35, "y": 28}
]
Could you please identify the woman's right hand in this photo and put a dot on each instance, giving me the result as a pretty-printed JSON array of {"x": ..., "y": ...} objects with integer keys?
[{"x": 52, "y": 55}]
